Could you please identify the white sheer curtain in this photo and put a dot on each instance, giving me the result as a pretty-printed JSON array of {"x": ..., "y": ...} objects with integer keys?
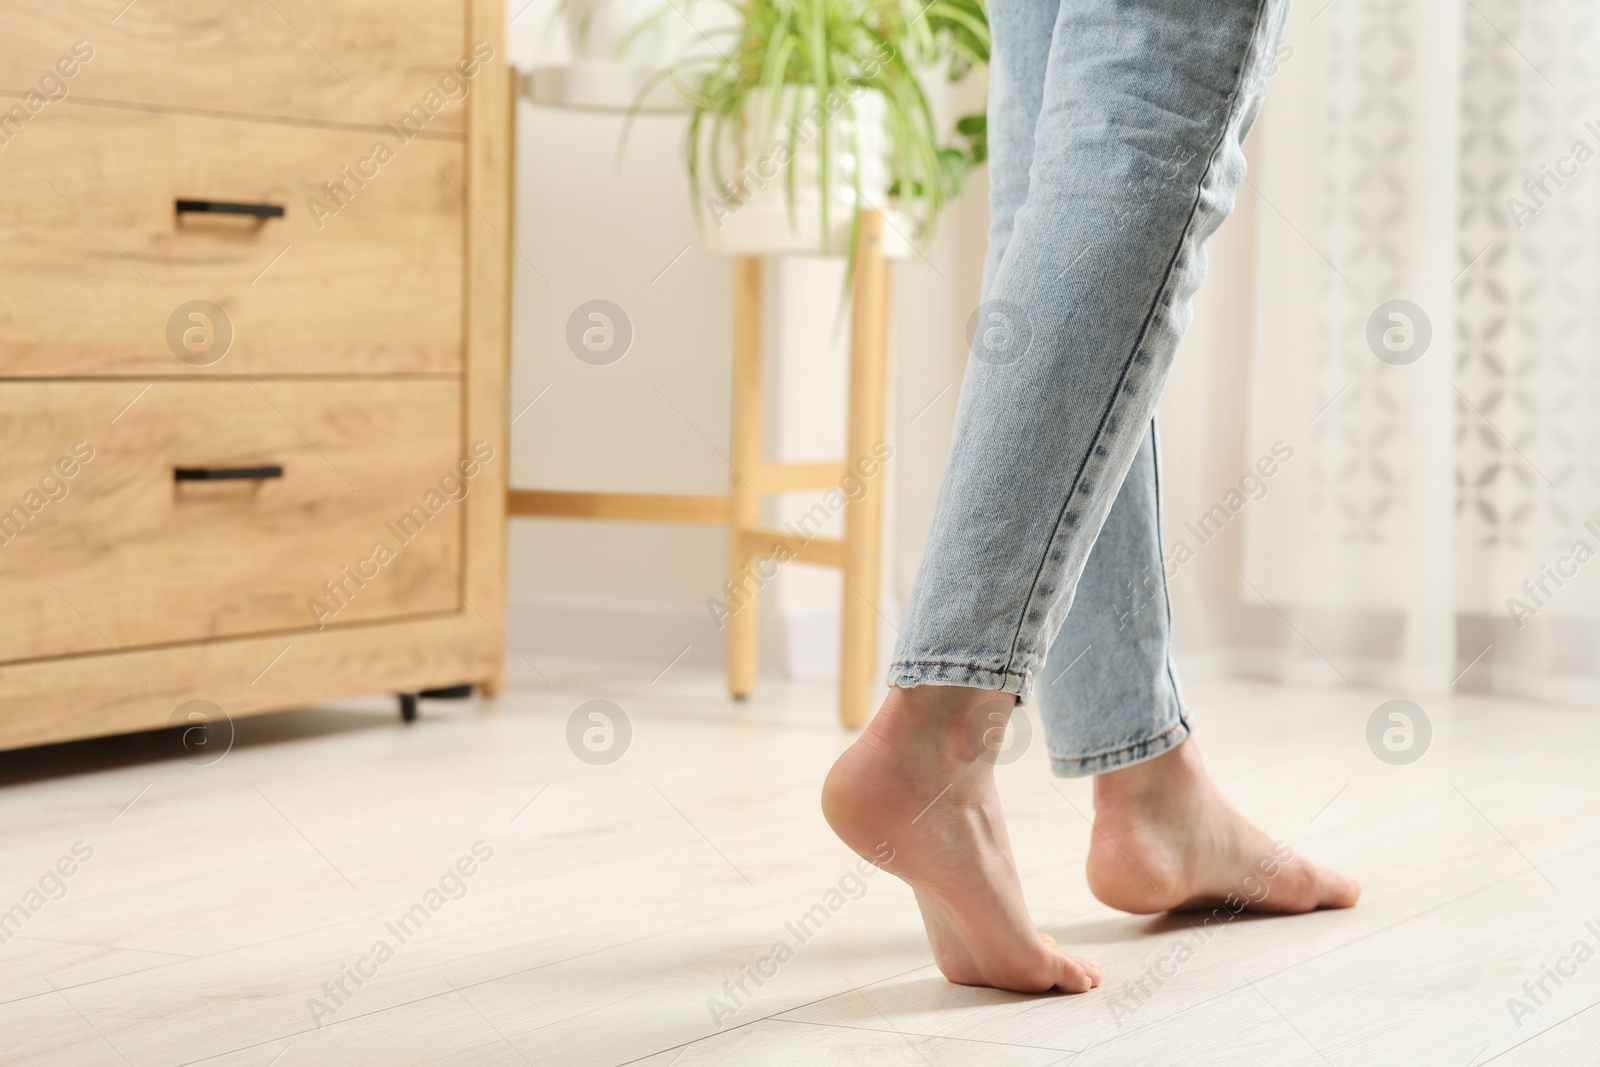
[{"x": 1389, "y": 165}]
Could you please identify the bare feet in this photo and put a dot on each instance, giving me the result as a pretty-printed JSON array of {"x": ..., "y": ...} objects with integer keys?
[
  {"x": 916, "y": 782},
  {"x": 1166, "y": 839},
  {"x": 916, "y": 795}
]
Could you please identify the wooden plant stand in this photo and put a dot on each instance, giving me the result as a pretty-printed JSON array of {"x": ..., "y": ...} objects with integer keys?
[{"x": 858, "y": 555}]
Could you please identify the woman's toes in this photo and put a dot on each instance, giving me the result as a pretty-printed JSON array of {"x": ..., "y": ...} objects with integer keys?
[
  {"x": 1335, "y": 890},
  {"x": 1089, "y": 967},
  {"x": 1076, "y": 974}
]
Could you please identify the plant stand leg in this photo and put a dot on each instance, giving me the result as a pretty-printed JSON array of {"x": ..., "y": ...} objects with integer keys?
[
  {"x": 744, "y": 501},
  {"x": 863, "y": 518}
]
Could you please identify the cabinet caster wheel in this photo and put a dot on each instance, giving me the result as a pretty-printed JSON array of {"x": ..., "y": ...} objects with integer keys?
[{"x": 408, "y": 707}]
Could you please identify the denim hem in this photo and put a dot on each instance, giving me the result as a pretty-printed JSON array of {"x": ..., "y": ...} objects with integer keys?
[
  {"x": 1127, "y": 756},
  {"x": 908, "y": 674}
]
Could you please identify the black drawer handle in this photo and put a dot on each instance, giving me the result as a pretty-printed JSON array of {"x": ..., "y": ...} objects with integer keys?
[
  {"x": 225, "y": 474},
  {"x": 225, "y": 207}
]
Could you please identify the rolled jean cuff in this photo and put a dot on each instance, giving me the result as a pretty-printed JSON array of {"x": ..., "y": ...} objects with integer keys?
[
  {"x": 908, "y": 674},
  {"x": 1126, "y": 756}
]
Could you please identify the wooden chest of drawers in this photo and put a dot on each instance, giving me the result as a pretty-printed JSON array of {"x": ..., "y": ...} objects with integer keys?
[{"x": 253, "y": 343}]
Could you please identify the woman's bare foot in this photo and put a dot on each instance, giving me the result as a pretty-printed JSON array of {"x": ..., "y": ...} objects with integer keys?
[
  {"x": 1165, "y": 839},
  {"x": 916, "y": 795}
]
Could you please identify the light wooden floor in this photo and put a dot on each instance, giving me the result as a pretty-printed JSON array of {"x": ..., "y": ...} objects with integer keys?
[{"x": 220, "y": 898}]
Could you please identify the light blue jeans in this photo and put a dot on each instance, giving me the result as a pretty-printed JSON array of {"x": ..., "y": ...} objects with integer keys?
[{"x": 1114, "y": 133}]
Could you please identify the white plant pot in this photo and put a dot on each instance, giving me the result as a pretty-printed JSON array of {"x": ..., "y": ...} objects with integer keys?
[{"x": 759, "y": 221}]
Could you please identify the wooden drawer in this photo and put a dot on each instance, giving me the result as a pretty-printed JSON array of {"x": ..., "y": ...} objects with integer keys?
[
  {"x": 102, "y": 547},
  {"x": 96, "y": 261},
  {"x": 358, "y": 61}
]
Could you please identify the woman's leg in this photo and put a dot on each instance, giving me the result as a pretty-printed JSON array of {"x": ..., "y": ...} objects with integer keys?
[
  {"x": 1163, "y": 836},
  {"x": 1134, "y": 160},
  {"x": 1108, "y": 693},
  {"x": 940, "y": 766}
]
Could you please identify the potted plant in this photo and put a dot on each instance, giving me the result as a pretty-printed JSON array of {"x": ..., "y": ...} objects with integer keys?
[{"x": 807, "y": 110}]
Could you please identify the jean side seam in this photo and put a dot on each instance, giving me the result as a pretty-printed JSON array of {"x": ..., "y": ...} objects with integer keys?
[
  {"x": 1166, "y": 590},
  {"x": 1159, "y": 301}
]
